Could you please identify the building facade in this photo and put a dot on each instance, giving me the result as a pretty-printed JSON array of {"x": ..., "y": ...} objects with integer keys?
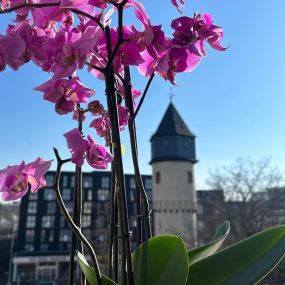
[
  {"x": 210, "y": 213},
  {"x": 42, "y": 247}
]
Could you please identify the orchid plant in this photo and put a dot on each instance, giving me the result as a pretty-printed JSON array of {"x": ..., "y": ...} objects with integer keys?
[{"x": 64, "y": 36}]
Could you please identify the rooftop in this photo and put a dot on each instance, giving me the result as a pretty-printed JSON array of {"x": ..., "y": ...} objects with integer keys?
[{"x": 172, "y": 124}]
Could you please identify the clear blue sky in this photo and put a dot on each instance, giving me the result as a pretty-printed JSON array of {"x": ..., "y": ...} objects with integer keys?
[{"x": 234, "y": 101}]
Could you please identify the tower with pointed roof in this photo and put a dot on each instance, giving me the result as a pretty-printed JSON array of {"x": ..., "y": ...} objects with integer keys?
[{"x": 173, "y": 157}]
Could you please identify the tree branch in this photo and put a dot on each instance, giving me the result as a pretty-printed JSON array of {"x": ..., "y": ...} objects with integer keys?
[{"x": 143, "y": 96}]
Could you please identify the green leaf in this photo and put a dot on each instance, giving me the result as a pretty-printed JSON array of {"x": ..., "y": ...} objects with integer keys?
[
  {"x": 244, "y": 263},
  {"x": 161, "y": 260},
  {"x": 201, "y": 252},
  {"x": 90, "y": 274}
]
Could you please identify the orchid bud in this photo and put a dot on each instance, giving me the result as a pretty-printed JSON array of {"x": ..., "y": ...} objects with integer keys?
[{"x": 95, "y": 107}]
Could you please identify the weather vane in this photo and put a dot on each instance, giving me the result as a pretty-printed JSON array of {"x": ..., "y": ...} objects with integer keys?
[{"x": 171, "y": 94}]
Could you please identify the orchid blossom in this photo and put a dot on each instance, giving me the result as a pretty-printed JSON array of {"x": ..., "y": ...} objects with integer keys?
[{"x": 15, "y": 180}]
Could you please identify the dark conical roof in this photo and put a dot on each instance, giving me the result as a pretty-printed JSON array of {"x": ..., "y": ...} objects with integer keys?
[{"x": 172, "y": 124}]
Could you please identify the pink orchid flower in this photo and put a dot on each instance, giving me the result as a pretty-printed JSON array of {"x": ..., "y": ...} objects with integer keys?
[
  {"x": 65, "y": 93},
  {"x": 178, "y": 4},
  {"x": 101, "y": 126},
  {"x": 193, "y": 32},
  {"x": 97, "y": 156},
  {"x": 95, "y": 108},
  {"x": 12, "y": 50},
  {"x": 123, "y": 117},
  {"x": 77, "y": 146},
  {"x": 74, "y": 52},
  {"x": 14, "y": 179},
  {"x": 72, "y": 3}
]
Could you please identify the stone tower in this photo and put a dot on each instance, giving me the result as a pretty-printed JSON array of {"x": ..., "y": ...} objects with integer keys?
[{"x": 173, "y": 157}]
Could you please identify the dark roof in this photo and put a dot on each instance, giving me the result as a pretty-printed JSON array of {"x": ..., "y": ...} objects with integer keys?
[{"x": 172, "y": 124}]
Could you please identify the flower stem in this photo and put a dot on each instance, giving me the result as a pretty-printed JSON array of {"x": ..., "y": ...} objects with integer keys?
[
  {"x": 141, "y": 193},
  {"x": 68, "y": 218},
  {"x": 77, "y": 210},
  {"x": 144, "y": 95},
  {"x": 116, "y": 144},
  {"x": 113, "y": 226}
]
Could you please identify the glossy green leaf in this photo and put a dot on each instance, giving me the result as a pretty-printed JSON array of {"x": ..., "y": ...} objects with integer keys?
[
  {"x": 161, "y": 260},
  {"x": 89, "y": 272},
  {"x": 210, "y": 248},
  {"x": 244, "y": 263}
]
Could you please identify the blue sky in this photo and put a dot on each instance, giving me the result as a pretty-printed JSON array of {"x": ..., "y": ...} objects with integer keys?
[{"x": 234, "y": 101}]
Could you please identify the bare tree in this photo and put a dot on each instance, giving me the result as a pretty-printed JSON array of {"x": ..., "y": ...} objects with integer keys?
[{"x": 249, "y": 205}]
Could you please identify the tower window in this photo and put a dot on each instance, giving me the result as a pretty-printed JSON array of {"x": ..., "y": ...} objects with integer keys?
[
  {"x": 157, "y": 177},
  {"x": 190, "y": 177}
]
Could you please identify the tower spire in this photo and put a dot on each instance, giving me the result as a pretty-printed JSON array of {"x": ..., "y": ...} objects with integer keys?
[{"x": 171, "y": 94}]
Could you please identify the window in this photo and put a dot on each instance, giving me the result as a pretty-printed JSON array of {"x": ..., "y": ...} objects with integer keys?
[
  {"x": 31, "y": 221},
  {"x": 51, "y": 236},
  {"x": 101, "y": 237},
  {"x": 64, "y": 235},
  {"x": 66, "y": 195},
  {"x": 132, "y": 195},
  {"x": 49, "y": 179},
  {"x": 30, "y": 235},
  {"x": 33, "y": 196},
  {"x": 87, "y": 207},
  {"x": 200, "y": 209},
  {"x": 29, "y": 247},
  {"x": 101, "y": 221},
  {"x": 105, "y": 182},
  {"x": 89, "y": 195},
  {"x": 72, "y": 181},
  {"x": 44, "y": 247},
  {"x": 86, "y": 221},
  {"x": 32, "y": 208},
  {"x": 103, "y": 195},
  {"x": 47, "y": 221},
  {"x": 190, "y": 177},
  {"x": 65, "y": 181},
  {"x": 132, "y": 183},
  {"x": 51, "y": 208},
  {"x": 87, "y": 181},
  {"x": 157, "y": 177},
  {"x": 62, "y": 246},
  {"x": 49, "y": 195},
  {"x": 148, "y": 183},
  {"x": 43, "y": 235},
  {"x": 102, "y": 208},
  {"x": 62, "y": 222},
  {"x": 133, "y": 221}
]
